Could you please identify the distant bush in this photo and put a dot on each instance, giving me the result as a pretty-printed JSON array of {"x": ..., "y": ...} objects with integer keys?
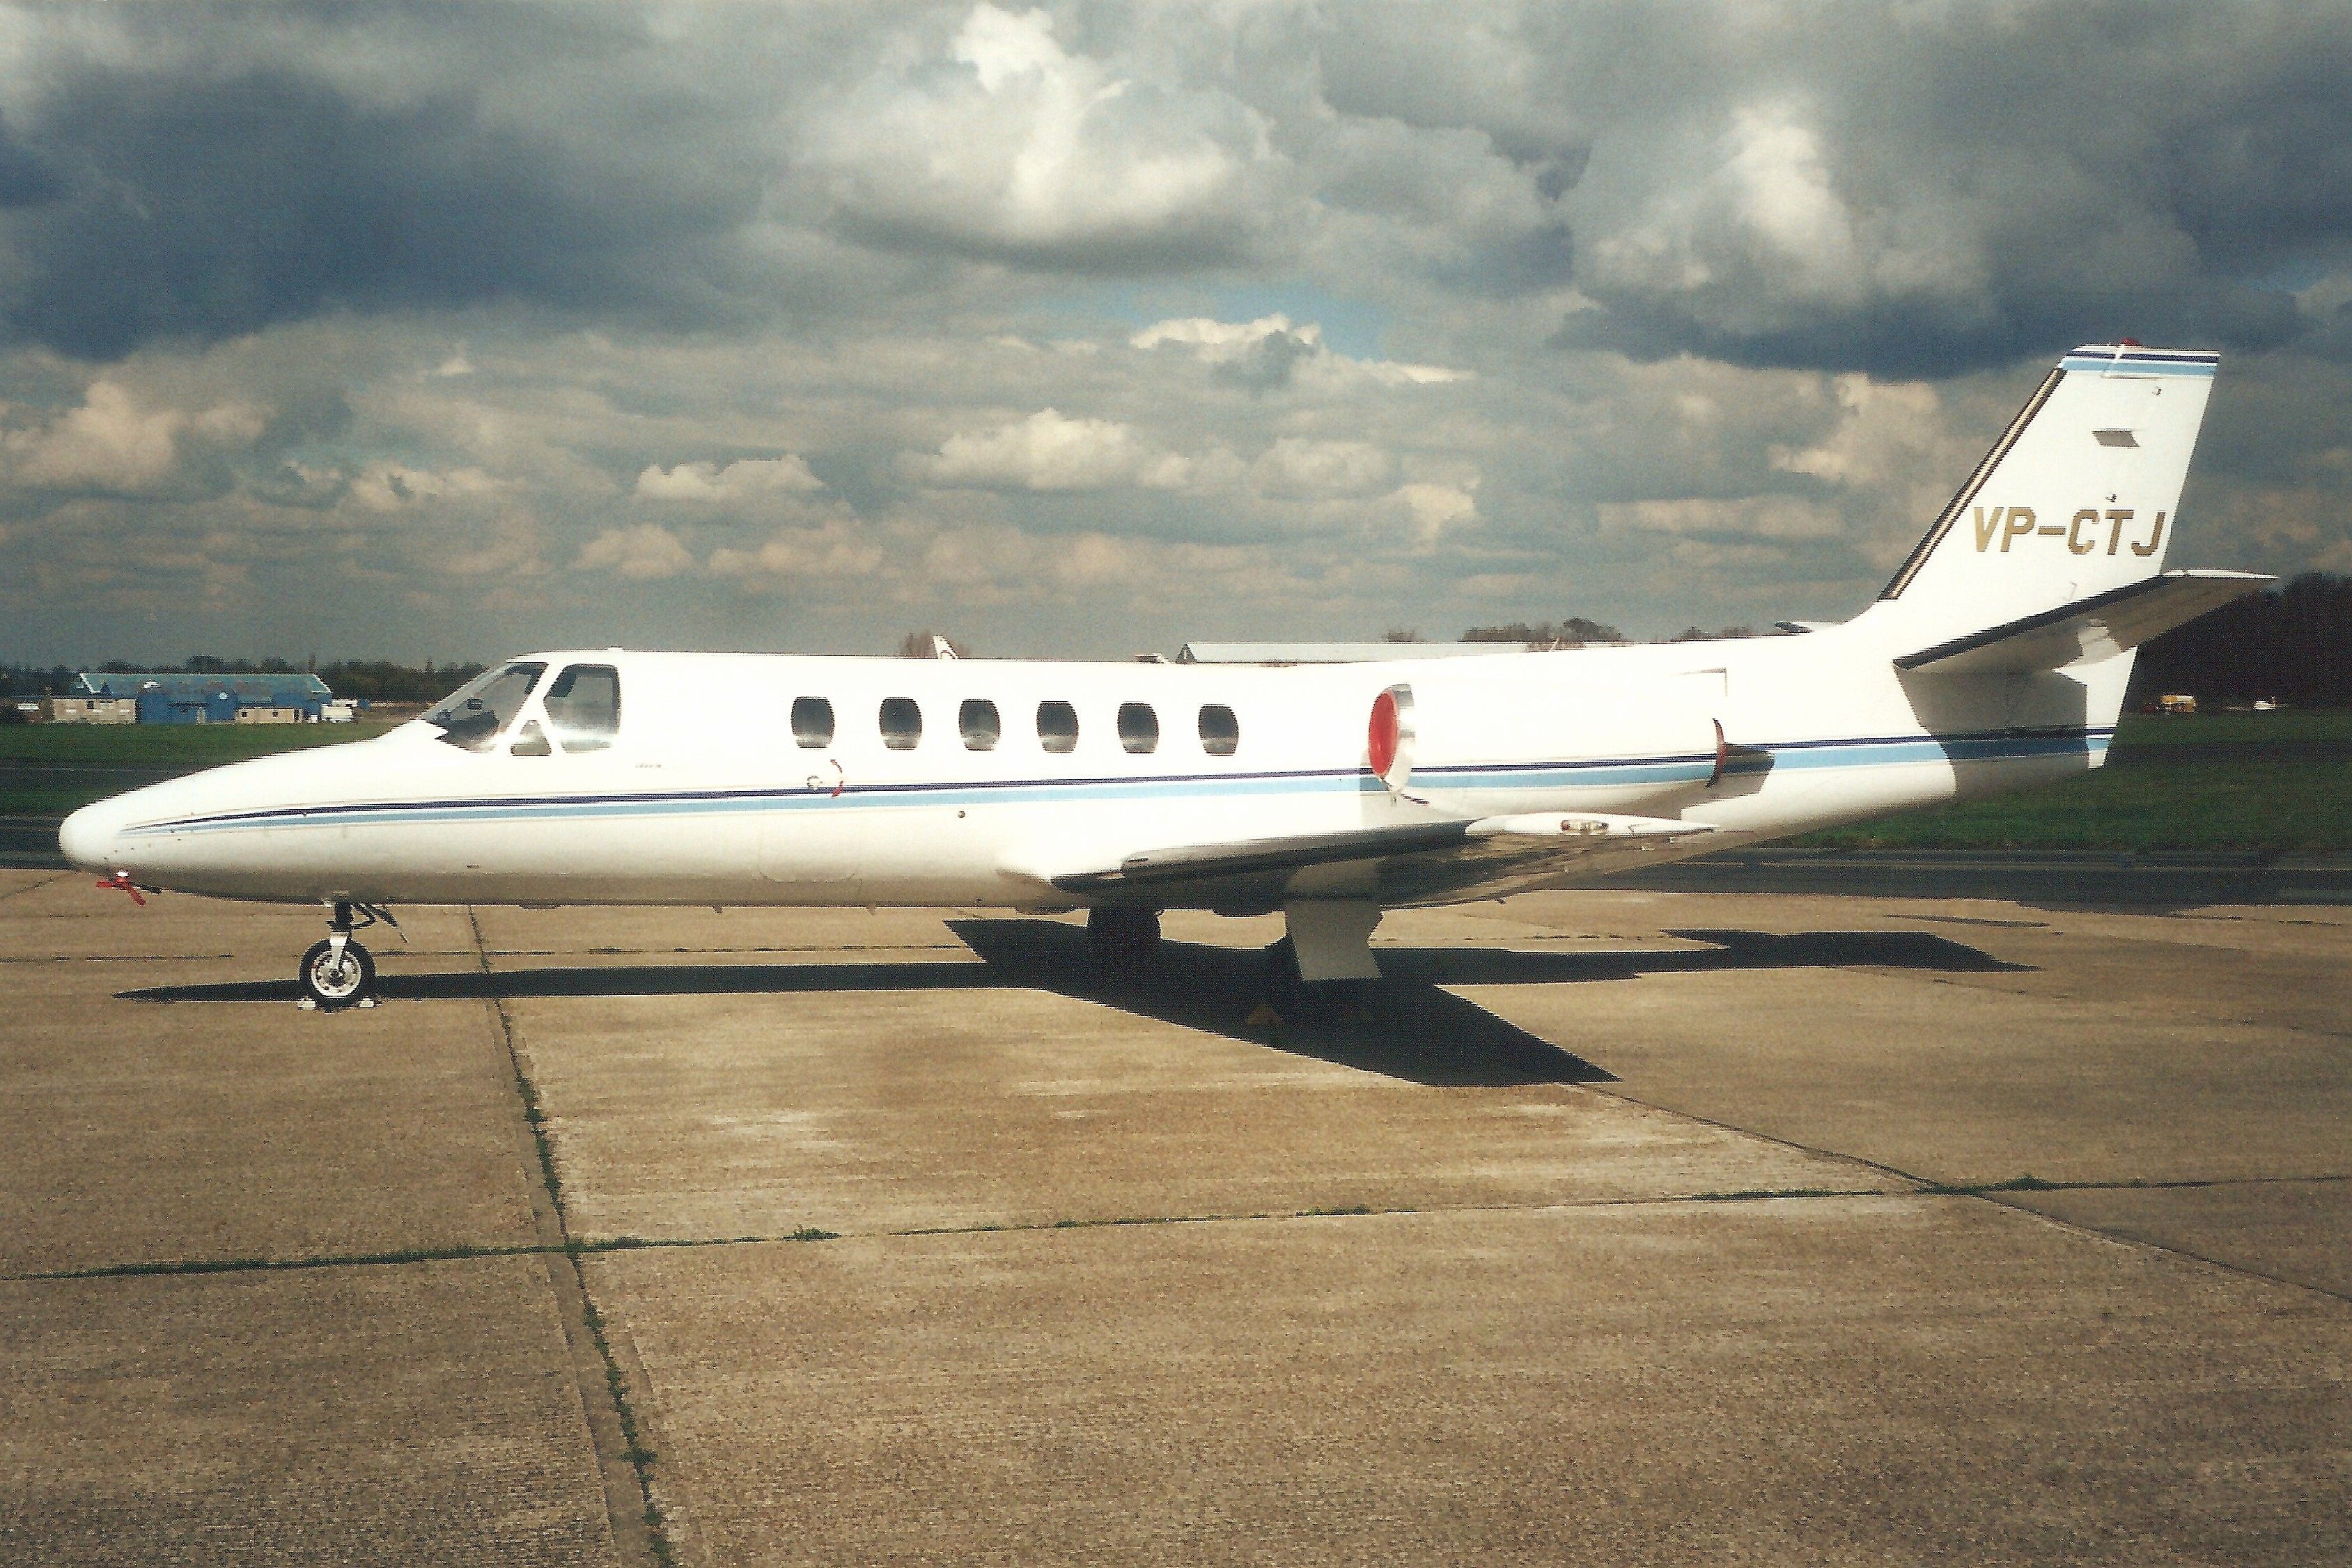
[
  {"x": 2293, "y": 643},
  {"x": 381, "y": 681},
  {"x": 376, "y": 680},
  {"x": 1575, "y": 631}
]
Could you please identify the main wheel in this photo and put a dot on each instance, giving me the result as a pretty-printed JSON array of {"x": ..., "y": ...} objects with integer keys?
[
  {"x": 334, "y": 983},
  {"x": 1122, "y": 940},
  {"x": 1284, "y": 991}
]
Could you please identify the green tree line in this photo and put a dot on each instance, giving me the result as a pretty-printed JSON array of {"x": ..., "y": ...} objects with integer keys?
[
  {"x": 2291, "y": 643},
  {"x": 375, "y": 680}
]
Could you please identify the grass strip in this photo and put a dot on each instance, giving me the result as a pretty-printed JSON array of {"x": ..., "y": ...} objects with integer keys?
[
  {"x": 634, "y": 1452},
  {"x": 2274, "y": 783},
  {"x": 1761, "y": 1194},
  {"x": 2029, "y": 1183}
]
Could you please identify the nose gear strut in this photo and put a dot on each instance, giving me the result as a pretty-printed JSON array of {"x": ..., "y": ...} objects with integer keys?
[{"x": 339, "y": 973}]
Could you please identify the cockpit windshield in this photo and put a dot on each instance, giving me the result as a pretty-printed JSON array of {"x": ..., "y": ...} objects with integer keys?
[{"x": 480, "y": 708}]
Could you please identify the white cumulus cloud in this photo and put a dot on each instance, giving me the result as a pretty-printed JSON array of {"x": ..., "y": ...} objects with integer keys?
[
  {"x": 738, "y": 481},
  {"x": 111, "y": 442},
  {"x": 1273, "y": 352},
  {"x": 1295, "y": 468},
  {"x": 643, "y": 552},
  {"x": 1049, "y": 451},
  {"x": 1747, "y": 517},
  {"x": 389, "y": 486},
  {"x": 835, "y": 549},
  {"x": 1014, "y": 145},
  {"x": 1436, "y": 507}
]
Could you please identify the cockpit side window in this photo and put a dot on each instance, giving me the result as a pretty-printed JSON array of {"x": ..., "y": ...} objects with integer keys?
[
  {"x": 584, "y": 706},
  {"x": 475, "y": 712}
]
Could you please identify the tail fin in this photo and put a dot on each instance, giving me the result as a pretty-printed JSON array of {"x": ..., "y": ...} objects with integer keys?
[{"x": 2075, "y": 500}]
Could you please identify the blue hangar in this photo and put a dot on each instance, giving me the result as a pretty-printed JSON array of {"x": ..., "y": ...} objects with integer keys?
[{"x": 167, "y": 698}]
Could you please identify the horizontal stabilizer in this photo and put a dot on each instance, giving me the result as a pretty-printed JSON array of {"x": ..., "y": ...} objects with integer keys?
[{"x": 2088, "y": 630}]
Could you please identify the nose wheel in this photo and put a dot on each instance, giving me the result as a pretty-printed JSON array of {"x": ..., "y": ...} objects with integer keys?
[
  {"x": 339, "y": 973},
  {"x": 334, "y": 979}
]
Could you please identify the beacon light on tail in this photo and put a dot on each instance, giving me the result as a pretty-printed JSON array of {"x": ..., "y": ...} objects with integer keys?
[{"x": 1996, "y": 657}]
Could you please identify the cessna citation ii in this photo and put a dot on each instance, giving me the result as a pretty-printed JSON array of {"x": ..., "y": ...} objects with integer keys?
[{"x": 1995, "y": 658}]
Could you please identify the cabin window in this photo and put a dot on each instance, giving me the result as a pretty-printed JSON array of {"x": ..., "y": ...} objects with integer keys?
[
  {"x": 584, "y": 706},
  {"x": 977, "y": 719},
  {"x": 1057, "y": 726},
  {"x": 477, "y": 711},
  {"x": 811, "y": 722},
  {"x": 902, "y": 723},
  {"x": 1138, "y": 728},
  {"x": 1221, "y": 732}
]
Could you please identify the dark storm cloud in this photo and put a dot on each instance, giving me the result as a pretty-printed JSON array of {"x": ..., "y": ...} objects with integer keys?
[
  {"x": 220, "y": 196},
  {"x": 1914, "y": 192},
  {"x": 410, "y": 300},
  {"x": 25, "y": 180},
  {"x": 1267, "y": 363},
  {"x": 1925, "y": 194}
]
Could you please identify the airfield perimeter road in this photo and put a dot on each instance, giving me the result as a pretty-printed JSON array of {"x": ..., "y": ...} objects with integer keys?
[{"x": 1626, "y": 1226}]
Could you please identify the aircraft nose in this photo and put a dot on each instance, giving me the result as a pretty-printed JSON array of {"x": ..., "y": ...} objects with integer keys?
[{"x": 88, "y": 838}]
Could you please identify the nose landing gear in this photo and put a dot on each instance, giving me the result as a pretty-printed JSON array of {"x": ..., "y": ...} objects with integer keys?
[{"x": 338, "y": 973}]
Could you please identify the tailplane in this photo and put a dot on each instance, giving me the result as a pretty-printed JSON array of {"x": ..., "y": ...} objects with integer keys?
[
  {"x": 2076, "y": 500},
  {"x": 2088, "y": 631}
]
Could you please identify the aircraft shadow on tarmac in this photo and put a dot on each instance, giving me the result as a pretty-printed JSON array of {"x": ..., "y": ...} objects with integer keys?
[{"x": 1405, "y": 1025}]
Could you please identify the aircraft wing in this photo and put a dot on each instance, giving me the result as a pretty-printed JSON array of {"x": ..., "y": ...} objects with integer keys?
[
  {"x": 2089, "y": 629},
  {"x": 1406, "y": 865}
]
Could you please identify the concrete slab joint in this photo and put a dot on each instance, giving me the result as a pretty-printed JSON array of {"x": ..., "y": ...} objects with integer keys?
[{"x": 1849, "y": 1229}]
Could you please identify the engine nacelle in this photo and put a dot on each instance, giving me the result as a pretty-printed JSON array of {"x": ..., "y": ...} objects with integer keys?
[{"x": 1517, "y": 742}]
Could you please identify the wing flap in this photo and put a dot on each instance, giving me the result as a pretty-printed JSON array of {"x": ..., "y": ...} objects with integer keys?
[
  {"x": 2088, "y": 630},
  {"x": 1396, "y": 865}
]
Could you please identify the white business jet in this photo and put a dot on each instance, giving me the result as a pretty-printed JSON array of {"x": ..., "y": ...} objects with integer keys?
[{"x": 1995, "y": 658}]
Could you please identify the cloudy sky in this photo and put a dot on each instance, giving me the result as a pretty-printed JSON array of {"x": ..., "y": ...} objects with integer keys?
[{"x": 453, "y": 331}]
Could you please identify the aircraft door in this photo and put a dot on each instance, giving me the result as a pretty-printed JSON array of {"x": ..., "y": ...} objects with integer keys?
[{"x": 809, "y": 836}]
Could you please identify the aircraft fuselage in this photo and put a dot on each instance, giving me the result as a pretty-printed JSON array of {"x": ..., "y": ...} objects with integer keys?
[{"x": 704, "y": 795}]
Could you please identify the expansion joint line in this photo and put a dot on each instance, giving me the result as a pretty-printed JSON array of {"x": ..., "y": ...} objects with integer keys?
[
  {"x": 36, "y": 886},
  {"x": 2001, "y": 1195},
  {"x": 642, "y": 1532}
]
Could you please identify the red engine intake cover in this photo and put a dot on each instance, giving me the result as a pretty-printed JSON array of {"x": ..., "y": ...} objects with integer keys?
[{"x": 1381, "y": 739}]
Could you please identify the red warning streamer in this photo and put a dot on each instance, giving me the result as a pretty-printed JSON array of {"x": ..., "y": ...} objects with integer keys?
[{"x": 122, "y": 880}]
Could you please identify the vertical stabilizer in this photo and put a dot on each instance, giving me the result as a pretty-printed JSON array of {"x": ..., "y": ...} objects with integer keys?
[{"x": 2077, "y": 499}]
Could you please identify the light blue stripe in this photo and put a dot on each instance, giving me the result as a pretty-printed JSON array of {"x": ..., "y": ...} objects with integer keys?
[{"x": 2096, "y": 362}]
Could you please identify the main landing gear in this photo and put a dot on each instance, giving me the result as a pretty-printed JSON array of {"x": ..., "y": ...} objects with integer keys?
[
  {"x": 1122, "y": 940},
  {"x": 1322, "y": 968},
  {"x": 338, "y": 973}
]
